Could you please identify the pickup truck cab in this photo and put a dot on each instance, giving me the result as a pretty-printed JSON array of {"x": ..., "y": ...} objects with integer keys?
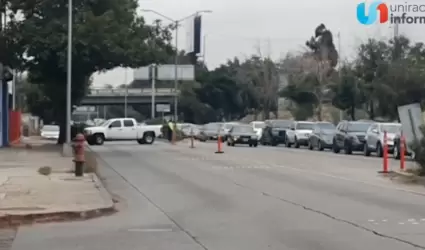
[{"x": 119, "y": 129}]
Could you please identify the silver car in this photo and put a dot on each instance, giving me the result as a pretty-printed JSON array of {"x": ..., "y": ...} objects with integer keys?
[
  {"x": 211, "y": 131},
  {"x": 375, "y": 138}
]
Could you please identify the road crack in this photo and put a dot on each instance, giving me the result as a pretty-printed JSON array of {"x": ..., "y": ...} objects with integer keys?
[{"x": 330, "y": 216}]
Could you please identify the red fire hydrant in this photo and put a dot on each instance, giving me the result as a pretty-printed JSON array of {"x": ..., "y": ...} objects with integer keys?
[{"x": 79, "y": 157}]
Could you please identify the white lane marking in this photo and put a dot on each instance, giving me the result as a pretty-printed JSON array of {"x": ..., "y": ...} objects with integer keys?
[
  {"x": 423, "y": 219},
  {"x": 411, "y": 220},
  {"x": 309, "y": 171},
  {"x": 415, "y": 223},
  {"x": 401, "y": 223},
  {"x": 384, "y": 220},
  {"x": 371, "y": 220},
  {"x": 150, "y": 230}
]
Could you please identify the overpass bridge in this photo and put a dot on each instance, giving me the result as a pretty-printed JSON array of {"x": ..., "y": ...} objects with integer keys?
[{"x": 142, "y": 96}]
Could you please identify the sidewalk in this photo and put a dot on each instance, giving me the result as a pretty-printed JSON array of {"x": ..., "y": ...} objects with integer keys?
[{"x": 27, "y": 196}]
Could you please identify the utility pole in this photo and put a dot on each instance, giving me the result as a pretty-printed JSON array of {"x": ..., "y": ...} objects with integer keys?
[
  {"x": 396, "y": 30},
  {"x": 67, "y": 150},
  {"x": 341, "y": 112},
  {"x": 126, "y": 93},
  {"x": 153, "y": 91},
  {"x": 176, "y": 23}
]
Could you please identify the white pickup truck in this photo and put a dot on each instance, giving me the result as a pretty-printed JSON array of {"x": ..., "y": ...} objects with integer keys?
[{"x": 119, "y": 129}]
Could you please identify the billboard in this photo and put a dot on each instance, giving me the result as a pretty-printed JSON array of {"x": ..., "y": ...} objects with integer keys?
[
  {"x": 184, "y": 72},
  {"x": 411, "y": 121},
  {"x": 194, "y": 35},
  {"x": 142, "y": 73}
]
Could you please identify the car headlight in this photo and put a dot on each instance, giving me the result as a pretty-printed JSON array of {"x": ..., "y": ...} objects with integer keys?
[
  {"x": 235, "y": 137},
  {"x": 254, "y": 137},
  {"x": 88, "y": 132}
]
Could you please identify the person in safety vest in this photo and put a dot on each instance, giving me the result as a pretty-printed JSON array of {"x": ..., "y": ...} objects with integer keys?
[{"x": 170, "y": 130}]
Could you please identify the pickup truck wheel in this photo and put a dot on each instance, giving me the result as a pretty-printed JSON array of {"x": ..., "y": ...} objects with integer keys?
[
  {"x": 396, "y": 152},
  {"x": 99, "y": 139},
  {"x": 148, "y": 137},
  {"x": 91, "y": 141}
]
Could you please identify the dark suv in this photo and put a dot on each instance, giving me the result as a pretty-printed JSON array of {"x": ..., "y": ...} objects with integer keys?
[
  {"x": 350, "y": 136},
  {"x": 274, "y": 132}
]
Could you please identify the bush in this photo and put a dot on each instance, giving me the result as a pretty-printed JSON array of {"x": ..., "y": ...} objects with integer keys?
[
  {"x": 419, "y": 150},
  {"x": 45, "y": 170}
]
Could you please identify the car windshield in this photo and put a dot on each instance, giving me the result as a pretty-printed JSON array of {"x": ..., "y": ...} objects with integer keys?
[
  {"x": 282, "y": 124},
  {"x": 391, "y": 128},
  {"x": 358, "y": 127},
  {"x": 326, "y": 126},
  {"x": 259, "y": 125},
  {"x": 243, "y": 129},
  {"x": 104, "y": 123},
  {"x": 50, "y": 128},
  {"x": 213, "y": 126},
  {"x": 305, "y": 125},
  {"x": 228, "y": 125}
]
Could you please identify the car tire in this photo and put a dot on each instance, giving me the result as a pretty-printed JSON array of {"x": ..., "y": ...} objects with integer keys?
[
  {"x": 320, "y": 146},
  {"x": 310, "y": 145},
  {"x": 335, "y": 147},
  {"x": 91, "y": 141},
  {"x": 347, "y": 148},
  {"x": 396, "y": 152},
  {"x": 228, "y": 143},
  {"x": 379, "y": 150},
  {"x": 233, "y": 144},
  {"x": 287, "y": 143},
  {"x": 274, "y": 143},
  {"x": 250, "y": 145},
  {"x": 148, "y": 137},
  {"x": 366, "y": 150},
  {"x": 255, "y": 144},
  {"x": 296, "y": 144},
  {"x": 99, "y": 139}
]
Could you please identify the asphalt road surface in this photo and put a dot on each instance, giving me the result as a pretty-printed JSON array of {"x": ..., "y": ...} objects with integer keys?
[{"x": 175, "y": 197}]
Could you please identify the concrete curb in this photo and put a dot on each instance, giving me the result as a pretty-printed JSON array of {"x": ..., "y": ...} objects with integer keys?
[
  {"x": 410, "y": 176},
  {"x": 8, "y": 221}
]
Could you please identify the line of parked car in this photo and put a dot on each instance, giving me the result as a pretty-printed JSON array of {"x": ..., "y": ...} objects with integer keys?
[{"x": 348, "y": 136}]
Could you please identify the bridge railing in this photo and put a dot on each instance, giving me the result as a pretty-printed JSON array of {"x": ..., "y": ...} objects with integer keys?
[{"x": 132, "y": 92}]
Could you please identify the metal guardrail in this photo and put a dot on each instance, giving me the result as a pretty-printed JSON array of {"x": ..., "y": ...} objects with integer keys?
[{"x": 131, "y": 92}]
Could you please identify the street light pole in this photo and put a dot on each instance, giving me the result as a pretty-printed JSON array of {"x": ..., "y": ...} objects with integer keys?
[
  {"x": 68, "y": 82},
  {"x": 176, "y": 63},
  {"x": 126, "y": 93},
  {"x": 176, "y": 22}
]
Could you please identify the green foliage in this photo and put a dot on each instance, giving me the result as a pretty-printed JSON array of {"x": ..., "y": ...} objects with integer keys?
[
  {"x": 302, "y": 112},
  {"x": 419, "y": 150},
  {"x": 348, "y": 93},
  {"x": 106, "y": 34}
]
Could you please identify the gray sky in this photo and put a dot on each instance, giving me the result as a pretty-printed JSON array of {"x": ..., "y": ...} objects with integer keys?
[{"x": 276, "y": 27}]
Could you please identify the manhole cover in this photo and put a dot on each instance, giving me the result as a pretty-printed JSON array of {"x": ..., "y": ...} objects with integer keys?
[{"x": 7, "y": 236}]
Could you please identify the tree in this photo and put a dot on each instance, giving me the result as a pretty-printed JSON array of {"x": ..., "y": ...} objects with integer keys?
[
  {"x": 324, "y": 58},
  {"x": 347, "y": 92},
  {"x": 371, "y": 66},
  {"x": 259, "y": 75},
  {"x": 106, "y": 34}
]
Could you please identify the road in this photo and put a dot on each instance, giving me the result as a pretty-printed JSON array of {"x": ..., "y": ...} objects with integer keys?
[{"x": 175, "y": 197}]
